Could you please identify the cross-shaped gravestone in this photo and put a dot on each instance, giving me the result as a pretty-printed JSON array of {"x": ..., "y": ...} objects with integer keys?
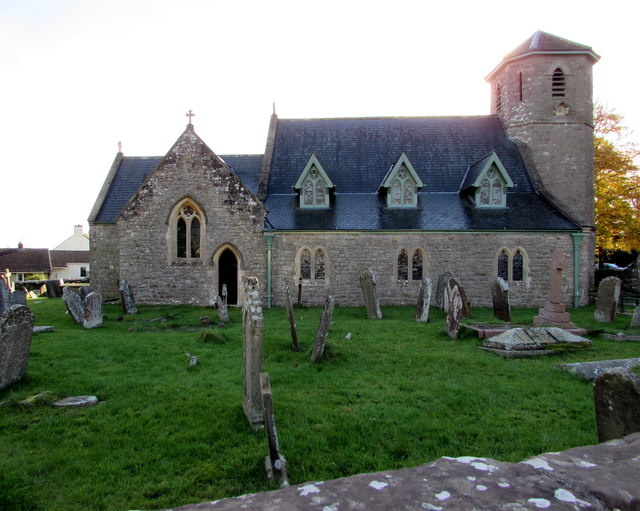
[{"x": 190, "y": 114}]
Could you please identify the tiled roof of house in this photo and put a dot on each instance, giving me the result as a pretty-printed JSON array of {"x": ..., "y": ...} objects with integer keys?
[
  {"x": 25, "y": 260},
  {"x": 60, "y": 258}
]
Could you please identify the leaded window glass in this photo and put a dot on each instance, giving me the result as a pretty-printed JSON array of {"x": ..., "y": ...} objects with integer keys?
[
  {"x": 518, "y": 266},
  {"x": 319, "y": 265},
  {"x": 181, "y": 235},
  {"x": 305, "y": 265},
  {"x": 308, "y": 193},
  {"x": 416, "y": 265},
  {"x": 503, "y": 265},
  {"x": 396, "y": 192},
  {"x": 188, "y": 229},
  {"x": 403, "y": 265},
  {"x": 195, "y": 237},
  {"x": 484, "y": 191}
]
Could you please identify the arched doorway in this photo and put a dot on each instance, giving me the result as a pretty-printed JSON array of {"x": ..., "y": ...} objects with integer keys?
[{"x": 228, "y": 274}]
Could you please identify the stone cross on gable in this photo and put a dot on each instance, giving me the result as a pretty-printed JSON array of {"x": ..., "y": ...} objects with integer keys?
[
  {"x": 558, "y": 265},
  {"x": 190, "y": 114}
]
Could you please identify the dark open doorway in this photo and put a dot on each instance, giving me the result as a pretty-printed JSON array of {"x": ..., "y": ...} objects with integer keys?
[{"x": 228, "y": 274}]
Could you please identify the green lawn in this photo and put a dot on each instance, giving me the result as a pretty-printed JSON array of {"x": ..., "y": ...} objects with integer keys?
[{"x": 397, "y": 394}]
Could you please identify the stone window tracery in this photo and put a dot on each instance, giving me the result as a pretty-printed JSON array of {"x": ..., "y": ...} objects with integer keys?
[
  {"x": 312, "y": 265},
  {"x": 492, "y": 190},
  {"x": 512, "y": 265},
  {"x": 413, "y": 267},
  {"x": 187, "y": 224}
]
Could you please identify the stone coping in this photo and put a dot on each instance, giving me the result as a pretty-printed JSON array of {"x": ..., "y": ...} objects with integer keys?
[
  {"x": 589, "y": 370},
  {"x": 595, "y": 478}
]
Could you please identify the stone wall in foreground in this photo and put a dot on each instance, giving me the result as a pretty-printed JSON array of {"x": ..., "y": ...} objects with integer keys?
[{"x": 592, "y": 478}]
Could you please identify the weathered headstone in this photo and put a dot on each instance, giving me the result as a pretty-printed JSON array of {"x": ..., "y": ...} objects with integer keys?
[
  {"x": 292, "y": 320},
  {"x": 5, "y": 296},
  {"x": 74, "y": 305},
  {"x": 221, "y": 307},
  {"x": 16, "y": 330},
  {"x": 463, "y": 296},
  {"x": 253, "y": 323},
  {"x": 554, "y": 311},
  {"x": 443, "y": 278},
  {"x": 368, "y": 284},
  {"x": 225, "y": 294},
  {"x": 323, "y": 330},
  {"x": 19, "y": 297},
  {"x": 635, "y": 319},
  {"x": 616, "y": 396},
  {"x": 53, "y": 289},
  {"x": 92, "y": 310},
  {"x": 454, "y": 313},
  {"x": 275, "y": 463},
  {"x": 607, "y": 300},
  {"x": 500, "y": 295},
  {"x": 83, "y": 291},
  {"x": 528, "y": 342},
  {"x": 75, "y": 401},
  {"x": 424, "y": 299},
  {"x": 126, "y": 296}
]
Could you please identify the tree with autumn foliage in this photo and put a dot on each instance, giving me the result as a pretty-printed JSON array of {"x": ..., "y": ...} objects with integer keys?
[{"x": 617, "y": 183}]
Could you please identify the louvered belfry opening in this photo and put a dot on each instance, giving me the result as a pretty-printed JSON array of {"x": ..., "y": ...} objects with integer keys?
[{"x": 558, "y": 83}]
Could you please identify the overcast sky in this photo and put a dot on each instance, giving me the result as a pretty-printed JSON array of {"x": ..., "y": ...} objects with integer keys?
[{"x": 77, "y": 76}]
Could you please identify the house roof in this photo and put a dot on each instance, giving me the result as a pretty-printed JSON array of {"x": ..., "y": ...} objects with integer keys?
[
  {"x": 25, "y": 260},
  {"x": 61, "y": 258},
  {"x": 133, "y": 170}
]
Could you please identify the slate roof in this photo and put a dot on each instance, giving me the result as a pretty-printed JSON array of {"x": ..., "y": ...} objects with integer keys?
[
  {"x": 133, "y": 170},
  {"x": 61, "y": 258},
  {"x": 356, "y": 154},
  {"x": 25, "y": 260},
  {"x": 545, "y": 42}
]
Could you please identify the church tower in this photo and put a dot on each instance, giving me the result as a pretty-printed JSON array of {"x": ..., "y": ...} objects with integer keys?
[{"x": 542, "y": 92}]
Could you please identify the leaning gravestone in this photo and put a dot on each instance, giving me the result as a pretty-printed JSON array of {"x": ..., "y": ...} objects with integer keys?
[
  {"x": 74, "y": 305},
  {"x": 607, "y": 300},
  {"x": 53, "y": 288},
  {"x": 16, "y": 330},
  {"x": 292, "y": 320},
  {"x": 253, "y": 323},
  {"x": 454, "y": 313},
  {"x": 92, "y": 310},
  {"x": 19, "y": 297},
  {"x": 463, "y": 296},
  {"x": 443, "y": 278},
  {"x": 84, "y": 291},
  {"x": 323, "y": 330},
  {"x": 368, "y": 284},
  {"x": 616, "y": 396},
  {"x": 126, "y": 295},
  {"x": 223, "y": 312},
  {"x": 500, "y": 296},
  {"x": 5, "y": 296},
  {"x": 424, "y": 298},
  {"x": 275, "y": 463},
  {"x": 635, "y": 319}
]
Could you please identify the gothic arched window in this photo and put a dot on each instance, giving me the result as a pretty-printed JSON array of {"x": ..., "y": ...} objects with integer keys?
[
  {"x": 416, "y": 265},
  {"x": 503, "y": 265},
  {"x": 187, "y": 223},
  {"x": 403, "y": 265}
]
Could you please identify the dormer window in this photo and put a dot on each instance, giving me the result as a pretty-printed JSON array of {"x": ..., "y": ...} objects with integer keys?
[
  {"x": 489, "y": 180},
  {"x": 402, "y": 184},
  {"x": 313, "y": 185}
]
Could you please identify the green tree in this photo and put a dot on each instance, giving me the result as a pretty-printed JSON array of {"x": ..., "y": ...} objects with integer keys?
[{"x": 617, "y": 183}]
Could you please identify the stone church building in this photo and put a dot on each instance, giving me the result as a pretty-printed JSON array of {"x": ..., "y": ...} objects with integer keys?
[{"x": 409, "y": 197}]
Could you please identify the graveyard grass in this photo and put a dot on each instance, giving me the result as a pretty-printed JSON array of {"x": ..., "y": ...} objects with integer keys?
[{"x": 398, "y": 394}]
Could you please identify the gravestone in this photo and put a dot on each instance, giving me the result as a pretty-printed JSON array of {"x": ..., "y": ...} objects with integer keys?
[
  {"x": 443, "y": 279},
  {"x": 225, "y": 294},
  {"x": 74, "y": 305},
  {"x": 323, "y": 330},
  {"x": 463, "y": 296},
  {"x": 253, "y": 323},
  {"x": 75, "y": 401},
  {"x": 84, "y": 291},
  {"x": 424, "y": 299},
  {"x": 536, "y": 341},
  {"x": 368, "y": 284},
  {"x": 635, "y": 319},
  {"x": 19, "y": 297},
  {"x": 454, "y": 313},
  {"x": 53, "y": 288},
  {"x": 607, "y": 300},
  {"x": 126, "y": 296},
  {"x": 275, "y": 463},
  {"x": 5, "y": 296},
  {"x": 92, "y": 317},
  {"x": 292, "y": 320},
  {"x": 616, "y": 396},
  {"x": 500, "y": 296},
  {"x": 16, "y": 330},
  {"x": 554, "y": 311},
  {"x": 223, "y": 312}
]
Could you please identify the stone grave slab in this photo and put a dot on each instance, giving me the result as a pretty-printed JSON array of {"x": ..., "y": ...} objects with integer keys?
[
  {"x": 16, "y": 331},
  {"x": 253, "y": 327},
  {"x": 454, "y": 313},
  {"x": 275, "y": 463},
  {"x": 223, "y": 311},
  {"x": 292, "y": 320},
  {"x": 127, "y": 298},
  {"x": 443, "y": 278},
  {"x": 5, "y": 296},
  {"x": 19, "y": 297},
  {"x": 500, "y": 297},
  {"x": 368, "y": 284},
  {"x": 76, "y": 401},
  {"x": 424, "y": 299},
  {"x": 42, "y": 329},
  {"x": 527, "y": 342},
  {"x": 635, "y": 319},
  {"x": 74, "y": 305},
  {"x": 622, "y": 337},
  {"x": 92, "y": 310},
  {"x": 323, "y": 330},
  {"x": 607, "y": 299},
  {"x": 616, "y": 396},
  {"x": 589, "y": 370}
]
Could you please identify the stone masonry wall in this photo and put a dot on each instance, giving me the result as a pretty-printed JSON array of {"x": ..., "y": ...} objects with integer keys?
[
  {"x": 232, "y": 216},
  {"x": 470, "y": 256},
  {"x": 104, "y": 259}
]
